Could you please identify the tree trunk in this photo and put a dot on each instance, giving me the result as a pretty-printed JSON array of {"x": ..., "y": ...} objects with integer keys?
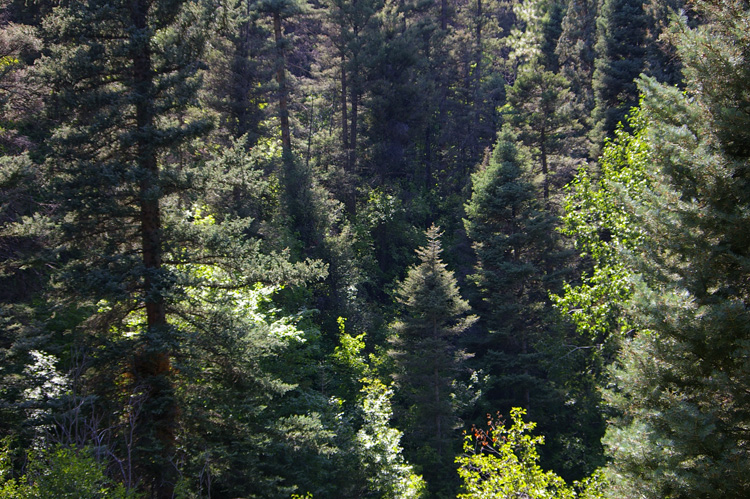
[
  {"x": 355, "y": 117},
  {"x": 478, "y": 104},
  {"x": 152, "y": 363},
  {"x": 242, "y": 79},
  {"x": 545, "y": 167},
  {"x": 344, "y": 115},
  {"x": 286, "y": 137}
]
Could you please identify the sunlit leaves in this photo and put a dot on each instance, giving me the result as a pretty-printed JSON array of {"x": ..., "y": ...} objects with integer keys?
[{"x": 502, "y": 462}]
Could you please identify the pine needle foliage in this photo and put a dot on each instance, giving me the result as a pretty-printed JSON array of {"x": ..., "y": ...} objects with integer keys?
[
  {"x": 434, "y": 314},
  {"x": 675, "y": 213}
]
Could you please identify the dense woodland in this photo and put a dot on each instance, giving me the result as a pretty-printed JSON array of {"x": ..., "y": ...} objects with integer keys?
[{"x": 375, "y": 249}]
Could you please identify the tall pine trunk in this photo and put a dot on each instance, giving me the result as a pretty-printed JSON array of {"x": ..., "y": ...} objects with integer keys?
[
  {"x": 152, "y": 364},
  {"x": 286, "y": 137}
]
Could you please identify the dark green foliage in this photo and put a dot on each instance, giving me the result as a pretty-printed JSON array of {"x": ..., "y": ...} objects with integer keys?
[
  {"x": 662, "y": 61},
  {"x": 120, "y": 74},
  {"x": 520, "y": 339},
  {"x": 542, "y": 110},
  {"x": 424, "y": 350},
  {"x": 575, "y": 50},
  {"x": 620, "y": 58},
  {"x": 678, "y": 379},
  {"x": 513, "y": 238},
  {"x": 163, "y": 162},
  {"x": 127, "y": 229},
  {"x": 503, "y": 219}
]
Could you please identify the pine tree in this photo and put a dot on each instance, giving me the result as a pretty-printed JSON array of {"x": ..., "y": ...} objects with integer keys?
[
  {"x": 513, "y": 236},
  {"x": 541, "y": 108},
  {"x": 118, "y": 72},
  {"x": 575, "y": 50},
  {"x": 427, "y": 359},
  {"x": 620, "y": 57},
  {"x": 662, "y": 61},
  {"x": 681, "y": 387}
]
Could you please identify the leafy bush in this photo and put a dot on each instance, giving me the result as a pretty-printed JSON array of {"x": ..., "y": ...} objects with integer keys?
[{"x": 503, "y": 463}]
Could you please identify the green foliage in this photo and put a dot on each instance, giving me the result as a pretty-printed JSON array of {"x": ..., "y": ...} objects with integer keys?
[
  {"x": 575, "y": 50},
  {"x": 542, "y": 110},
  {"x": 674, "y": 378},
  {"x": 513, "y": 238},
  {"x": 427, "y": 359},
  {"x": 601, "y": 229},
  {"x": 620, "y": 58},
  {"x": 240, "y": 400},
  {"x": 511, "y": 235},
  {"x": 158, "y": 293},
  {"x": 389, "y": 476},
  {"x": 503, "y": 462},
  {"x": 62, "y": 472},
  {"x": 674, "y": 208}
]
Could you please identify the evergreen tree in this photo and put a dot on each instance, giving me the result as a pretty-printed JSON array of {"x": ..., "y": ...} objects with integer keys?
[
  {"x": 427, "y": 359},
  {"x": 124, "y": 231},
  {"x": 118, "y": 72},
  {"x": 620, "y": 57},
  {"x": 520, "y": 338},
  {"x": 662, "y": 61},
  {"x": 513, "y": 238},
  {"x": 542, "y": 109},
  {"x": 575, "y": 51},
  {"x": 680, "y": 383}
]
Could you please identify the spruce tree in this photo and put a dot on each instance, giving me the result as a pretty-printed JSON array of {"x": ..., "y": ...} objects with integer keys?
[
  {"x": 680, "y": 386},
  {"x": 620, "y": 57},
  {"x": 120, "y": 73},
  {"x": 424, "y": 350},
  {"x": 513, "y": 236}
]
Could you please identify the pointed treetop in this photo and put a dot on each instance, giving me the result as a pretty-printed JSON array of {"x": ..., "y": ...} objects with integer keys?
[{"x": 431, "y": 251}]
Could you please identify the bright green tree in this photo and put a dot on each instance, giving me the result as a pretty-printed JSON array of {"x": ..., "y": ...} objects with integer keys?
[
  {"x": 62, "y": 472},
  {"x": 503, "y": 463},
  {"x": 379, "y": 447}
]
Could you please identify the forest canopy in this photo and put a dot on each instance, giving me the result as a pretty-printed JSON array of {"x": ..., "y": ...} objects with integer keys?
[{"x": 374, "y": 248}]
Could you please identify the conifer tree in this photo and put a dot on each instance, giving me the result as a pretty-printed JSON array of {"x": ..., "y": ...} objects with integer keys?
[
  {"x": 427, "y": 359},
  {"x": 662, "y": 61},
  {"x": 542, "y": 109},
  {"x": 680, "y": 383},
  {"x": 575, "y": 51},
  {"x": 119, "y": 71},
  {"x": 620, "y": 57},
  {"x": 513, "y": 236},
  {"x": 123, "y": 231}
]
